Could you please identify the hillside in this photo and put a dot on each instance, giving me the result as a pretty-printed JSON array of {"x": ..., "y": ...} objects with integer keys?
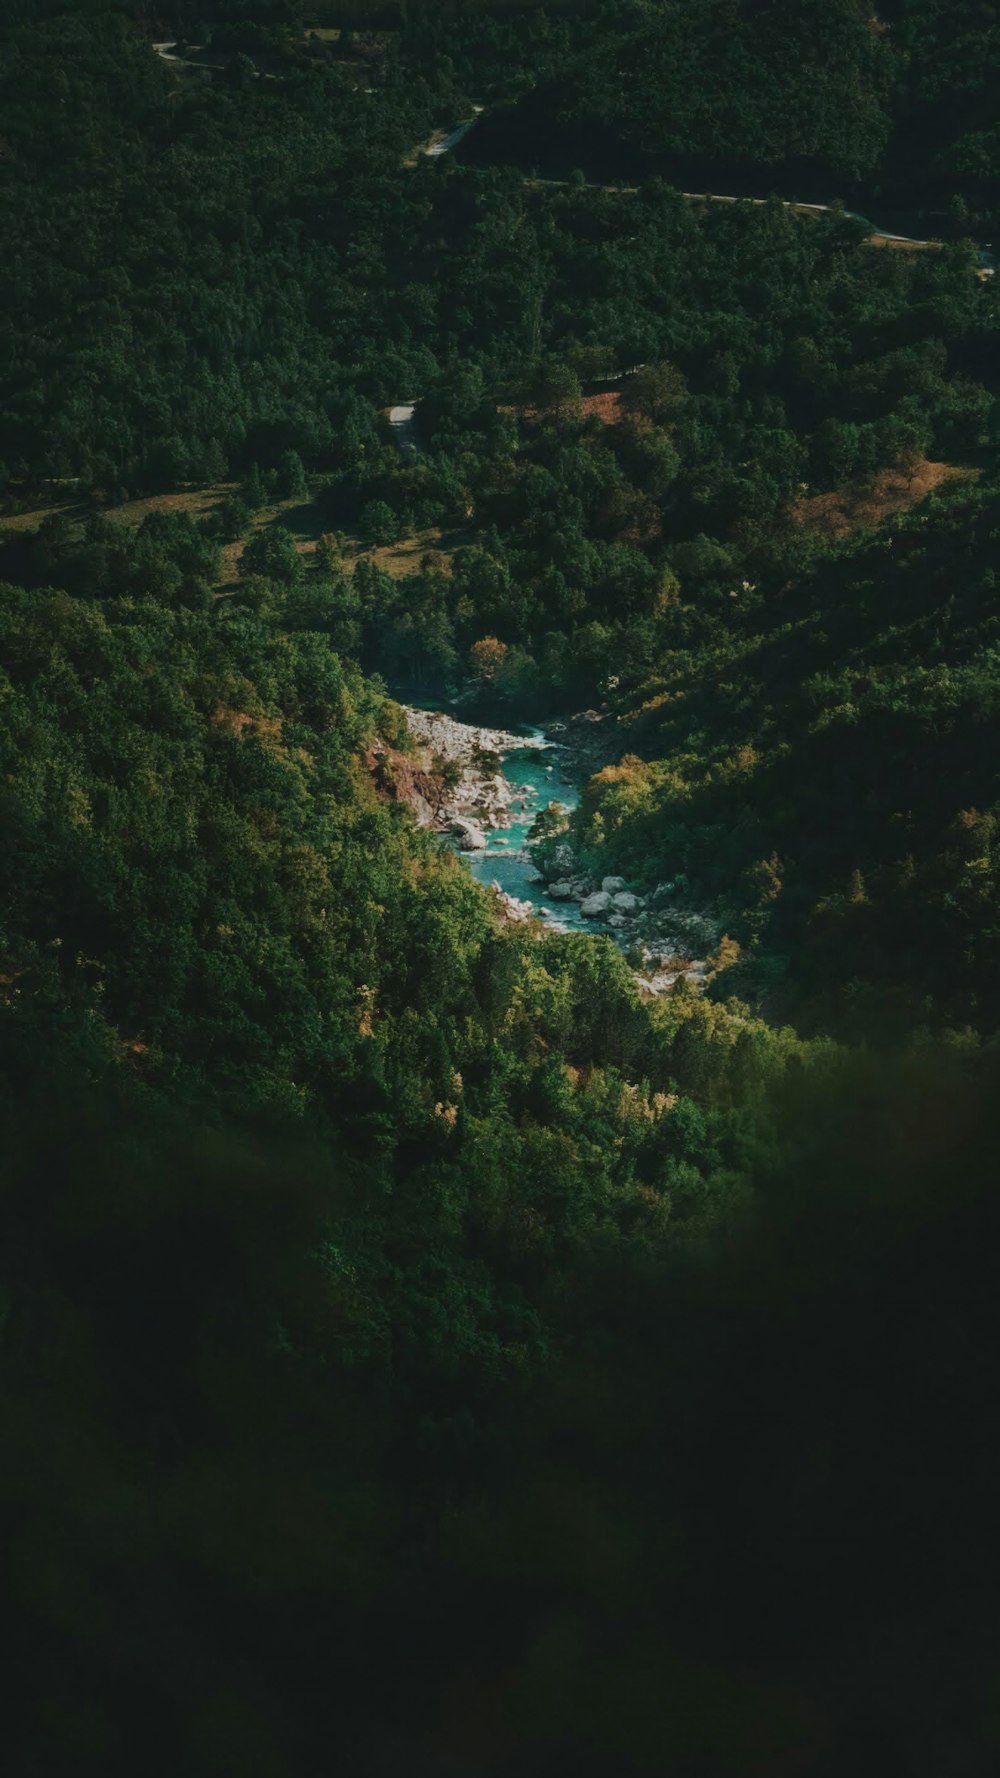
[
  {"x": 818, "y": 98},
  {"x": 432, "y": 1341}
]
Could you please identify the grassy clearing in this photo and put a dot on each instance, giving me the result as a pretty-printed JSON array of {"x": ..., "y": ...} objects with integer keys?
[
  {"x": 406, "y": 556},
  {"x": 864, "y": 506},
  {"x": 30, "y": 521},
  {"x": 301, "y": 517},
  {"x": 198, "y": 501}
]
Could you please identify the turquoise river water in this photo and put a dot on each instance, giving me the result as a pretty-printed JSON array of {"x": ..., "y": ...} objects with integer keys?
[{"x": 540, "y": 773}]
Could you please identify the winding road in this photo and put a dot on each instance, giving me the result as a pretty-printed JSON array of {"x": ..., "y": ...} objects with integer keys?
[
  {"x": 444, "y": 144},
  {"x": 402, "y": 419},
  {"x": 209, "y": 65},
  {"x": 440, "y": 145}
]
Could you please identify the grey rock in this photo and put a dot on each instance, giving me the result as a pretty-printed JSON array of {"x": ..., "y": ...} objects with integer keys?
[
  {"x": 595, "y": 906},
  {"x": 627, "y": 904},
  {"x": 560, "y": 892},
  {"x": 613, "y": 885},
  {"x": 469, "y": 834}
]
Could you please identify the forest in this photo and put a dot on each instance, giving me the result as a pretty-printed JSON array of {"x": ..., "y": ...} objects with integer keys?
[{"x": 424, "y": 1347}]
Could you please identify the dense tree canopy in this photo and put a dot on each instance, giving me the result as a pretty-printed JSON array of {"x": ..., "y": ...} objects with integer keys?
[{"x": 424, "y": 1347}]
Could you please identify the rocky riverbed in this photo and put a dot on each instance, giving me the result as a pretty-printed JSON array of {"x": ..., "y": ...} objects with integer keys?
[
  {"x": 478, "y": 799},
  {"x": 486, "y": 788},
  {"x": 663, "y": 939}
]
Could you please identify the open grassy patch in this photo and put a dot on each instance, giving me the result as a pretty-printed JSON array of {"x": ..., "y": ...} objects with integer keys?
[
  {"x": 196, "y": 501},
  {"x": 863, "y": 506},
  {"x": 407, "y": 555}
]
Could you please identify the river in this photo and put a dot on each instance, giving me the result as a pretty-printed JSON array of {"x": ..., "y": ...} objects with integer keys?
[
  {"x": 476, "y": 803},
  {"x": 500, "y": 807},
  {"x": 536, "y": 778}
]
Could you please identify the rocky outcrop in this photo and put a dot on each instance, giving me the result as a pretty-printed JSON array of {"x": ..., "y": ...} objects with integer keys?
[
  {"x": 468, "y": 833},
  {"x": 611, "y": 900},
  {"x": 672, "y": 942},
  {"x": 512, "y": 908},
  {"x": 664, "y": 979},
  {"x": 461, "y": 741},
  {"x": 594, "y": 907},
  {"x": 460, "y": 760},
  {"x": 402, "y": 777}
]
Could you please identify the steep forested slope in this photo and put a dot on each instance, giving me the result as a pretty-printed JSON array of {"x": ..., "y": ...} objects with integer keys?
[
  {"x": 712, "y": 91},
  {"x": 422, "y": 1351},
  {"x": 893, "y": 105},
  {"x": 829, "y": 772},
  {"x": 395, "y": 1312}
]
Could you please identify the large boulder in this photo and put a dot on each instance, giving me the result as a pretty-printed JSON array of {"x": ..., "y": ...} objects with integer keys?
[
  {"x": 469, "y": 835},
  {"x": 613, "y": 885},
  {"x": 563, "y": 858},
  {"x": 517, "y": 910},
  {"x": 560, "y": 891},
  {"x": 626, "y": 904},
  {"x": 595, "y": 906}
]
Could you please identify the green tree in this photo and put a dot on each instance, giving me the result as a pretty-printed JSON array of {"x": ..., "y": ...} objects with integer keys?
[
  {"x": 253, "y": 492},
  {"x": 291, "y": 481},
  {"x": 273, "y": 554},
  {"x": 379, "y": 523}
]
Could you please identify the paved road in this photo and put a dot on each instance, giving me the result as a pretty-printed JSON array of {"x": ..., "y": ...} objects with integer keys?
[
  {"x": 402, "y": 419},
  {"x": 987, "y": 261},
  {"x": 215, "y": 65},
  {"x": 439, "y": 145}
]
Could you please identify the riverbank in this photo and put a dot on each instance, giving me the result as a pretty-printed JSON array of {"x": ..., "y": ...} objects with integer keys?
[
  {"x": 503, "y": 800},
  {"x": 499, "y": 790}
]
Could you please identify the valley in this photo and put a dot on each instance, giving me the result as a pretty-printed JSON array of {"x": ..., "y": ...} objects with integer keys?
[{"x": 499, "y": 941}]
